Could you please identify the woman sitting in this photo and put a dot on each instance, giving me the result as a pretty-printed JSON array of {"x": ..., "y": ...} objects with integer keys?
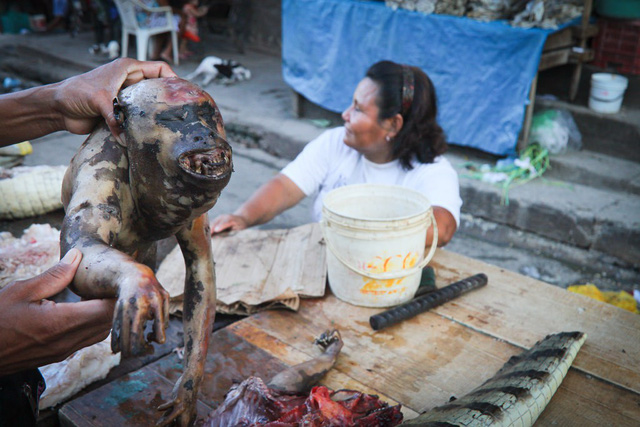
[{"x": 390, "y": 136}]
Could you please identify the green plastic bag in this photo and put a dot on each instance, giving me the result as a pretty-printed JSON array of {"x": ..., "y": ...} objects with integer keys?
[{"x": 556, "y": 131}]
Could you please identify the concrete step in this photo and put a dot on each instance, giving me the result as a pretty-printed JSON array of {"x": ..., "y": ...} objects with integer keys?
[
  {"x": 574, "y": 214},
  {"x": 541, "y": 258},
  {"x": 616, "y": 135},
  {"x": 31, "y": 64},
  {"x": 596, "y": 170}
]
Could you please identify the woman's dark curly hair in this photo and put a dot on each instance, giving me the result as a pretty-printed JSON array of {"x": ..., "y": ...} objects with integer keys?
[{"x": 420, "y": 136}]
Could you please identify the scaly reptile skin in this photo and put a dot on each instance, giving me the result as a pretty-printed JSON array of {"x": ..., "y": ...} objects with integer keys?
[{"x": 518, "y": 393}]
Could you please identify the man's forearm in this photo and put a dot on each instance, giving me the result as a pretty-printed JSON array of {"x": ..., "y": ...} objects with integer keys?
[{"x": 29, "y": 114}]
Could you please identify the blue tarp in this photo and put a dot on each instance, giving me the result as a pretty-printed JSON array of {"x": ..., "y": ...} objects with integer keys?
[{"x": 482, "y": 70}]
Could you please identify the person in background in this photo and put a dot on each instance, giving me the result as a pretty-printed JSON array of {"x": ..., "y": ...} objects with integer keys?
[
  {"x": 59, "y": 12},
  {"x": 191, "y": 12},
  {"x": 35, "y": 331},
  {"x": 162, "y": 45},
  {"x": 390, "y": 136},
  {"x": 104, "y": 16}
]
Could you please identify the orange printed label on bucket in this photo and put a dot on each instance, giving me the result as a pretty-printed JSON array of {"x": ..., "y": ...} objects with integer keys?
[{"x": 383, "y": 265}]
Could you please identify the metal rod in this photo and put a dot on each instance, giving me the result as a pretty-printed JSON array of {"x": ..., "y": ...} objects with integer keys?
[{"x": 426, "y": 302}]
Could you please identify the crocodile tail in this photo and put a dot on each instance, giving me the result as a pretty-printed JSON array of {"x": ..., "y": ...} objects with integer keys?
[{"x": 519, "y": 391}]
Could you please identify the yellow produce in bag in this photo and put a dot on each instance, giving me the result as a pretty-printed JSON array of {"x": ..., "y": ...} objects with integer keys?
[{"x": 620, "y": 299}]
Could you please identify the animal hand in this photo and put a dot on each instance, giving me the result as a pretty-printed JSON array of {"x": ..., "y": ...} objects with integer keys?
[
  {"x": 141, "y": 299},
  {"x": 182, "y": 404}
]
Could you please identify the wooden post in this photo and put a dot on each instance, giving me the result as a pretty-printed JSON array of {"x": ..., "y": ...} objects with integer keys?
[
  {"x": 577, "y": 71},
  {"x": 523, "y": 141}
]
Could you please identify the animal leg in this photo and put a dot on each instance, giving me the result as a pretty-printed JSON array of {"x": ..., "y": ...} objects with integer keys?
[
  {"x": 208, "y": 77},
  {"x": 198, "y": 316},
  {"x": 193, "y": 75}
]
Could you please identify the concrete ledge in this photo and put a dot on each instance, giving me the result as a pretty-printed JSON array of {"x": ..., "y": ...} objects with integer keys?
[
  {"x": 552, "y": 261},
  {"x": 580, "y": 216},
  {"x": 620, "y": 241},
  {"x": 596, "y": 170},
  {"x": 33, "y": 64},
  {"x": 265, "y": 138}
]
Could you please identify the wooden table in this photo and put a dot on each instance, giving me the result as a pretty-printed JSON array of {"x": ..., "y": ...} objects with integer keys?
[{"x": 419, "y": 363}]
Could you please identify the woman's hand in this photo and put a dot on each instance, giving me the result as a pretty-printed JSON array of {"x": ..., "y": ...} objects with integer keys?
[
  {"x": 228, "y": 222},
  {"x": 82, "y": 99},
  {"x": 35, "y": 331},
  {"x": 274, "y": 197}
]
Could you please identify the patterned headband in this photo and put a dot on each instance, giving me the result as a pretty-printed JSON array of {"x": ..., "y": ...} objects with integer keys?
[{"x": 408, "y": 86}]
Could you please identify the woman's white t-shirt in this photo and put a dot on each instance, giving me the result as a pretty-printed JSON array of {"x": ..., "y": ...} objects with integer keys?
[{"x": 327, "y": 163}]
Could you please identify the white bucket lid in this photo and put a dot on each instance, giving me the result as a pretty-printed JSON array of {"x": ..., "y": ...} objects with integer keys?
[{"x": 609, "y": 81}]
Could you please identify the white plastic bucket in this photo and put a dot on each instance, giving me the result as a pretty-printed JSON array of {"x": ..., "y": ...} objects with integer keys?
[
  {"x": 375, "y": 237},
  {"x": 607, "y": 91}
]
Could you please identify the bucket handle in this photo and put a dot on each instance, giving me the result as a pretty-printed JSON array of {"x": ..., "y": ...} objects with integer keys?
[{"x": 388, "y": 275}]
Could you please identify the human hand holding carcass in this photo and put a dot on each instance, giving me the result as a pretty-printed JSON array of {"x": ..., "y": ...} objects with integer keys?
[{"x": 122, "y": 197}]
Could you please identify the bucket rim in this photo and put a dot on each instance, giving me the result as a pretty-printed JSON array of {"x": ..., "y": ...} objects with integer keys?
[
  {"x": 609, "y": 78},
  {"x": 336, "y": 192}
]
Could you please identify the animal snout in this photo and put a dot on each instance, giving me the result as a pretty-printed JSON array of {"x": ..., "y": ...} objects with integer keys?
[{"x": 213, "y": 163}]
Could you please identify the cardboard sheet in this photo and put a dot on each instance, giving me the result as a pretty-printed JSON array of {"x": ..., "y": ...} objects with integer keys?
[{"x": 257, "y": 269}]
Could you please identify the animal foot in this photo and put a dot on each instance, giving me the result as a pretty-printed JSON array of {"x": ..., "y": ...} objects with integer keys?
[
  {"x": 181, "y": 408},
  {"x": 329, "y": 338},
  {"x": 140, "y": 301}
]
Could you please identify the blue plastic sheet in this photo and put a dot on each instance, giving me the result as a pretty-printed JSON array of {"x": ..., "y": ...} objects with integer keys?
[{"x": 482, "y": 70}]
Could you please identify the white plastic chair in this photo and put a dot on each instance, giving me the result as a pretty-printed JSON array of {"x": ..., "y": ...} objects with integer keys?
[{"x": 130, "y": 26}]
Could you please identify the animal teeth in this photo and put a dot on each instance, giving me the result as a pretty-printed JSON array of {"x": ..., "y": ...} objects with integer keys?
[{"x": 207, "y": 164}]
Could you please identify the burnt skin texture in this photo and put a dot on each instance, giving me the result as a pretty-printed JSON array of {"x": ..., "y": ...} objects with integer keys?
[{"x": 120, "y": 199}]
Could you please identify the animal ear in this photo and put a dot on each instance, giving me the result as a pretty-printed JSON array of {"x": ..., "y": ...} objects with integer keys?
[{"x": 118, "y": 113}]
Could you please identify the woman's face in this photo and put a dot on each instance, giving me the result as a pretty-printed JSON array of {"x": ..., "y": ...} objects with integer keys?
[{"x": 364, "y": 133}]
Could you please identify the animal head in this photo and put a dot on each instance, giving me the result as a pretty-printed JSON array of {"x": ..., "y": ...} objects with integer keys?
[
  {"x": 232, "y": 70},
  {"x": 176, "y": 143}
]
